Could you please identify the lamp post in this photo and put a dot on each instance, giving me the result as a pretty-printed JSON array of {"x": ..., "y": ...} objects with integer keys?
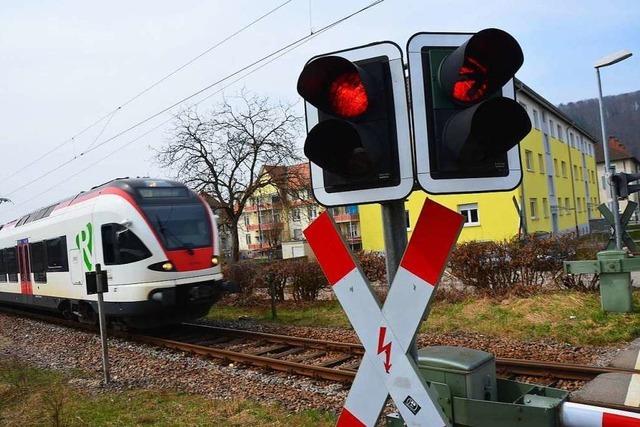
[{"x": 609, "y": 169}]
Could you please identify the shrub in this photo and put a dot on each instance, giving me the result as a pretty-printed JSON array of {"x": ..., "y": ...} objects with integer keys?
[
  {"x": 245, "y": 274},
  {"x": 307, "y": 279},
  {"x": 274, "y": 277},
  {"x": 374, "y": 266},
  {"x": 486, "y": 266},
  {"x": 523, "y": 266}
]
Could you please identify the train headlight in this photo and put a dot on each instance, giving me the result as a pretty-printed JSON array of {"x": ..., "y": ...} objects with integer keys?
[
  {"x": 214, "y": 261},
  {"x": 162, "y": 266}
]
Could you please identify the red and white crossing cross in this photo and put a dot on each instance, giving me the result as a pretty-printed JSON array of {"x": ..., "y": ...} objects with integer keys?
[{"x": 387, "y": 333}]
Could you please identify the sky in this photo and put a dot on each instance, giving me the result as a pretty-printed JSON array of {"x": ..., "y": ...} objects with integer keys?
[{"x": 66, "y": 64}]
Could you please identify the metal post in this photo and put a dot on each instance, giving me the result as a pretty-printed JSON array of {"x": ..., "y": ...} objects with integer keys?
[
  {"x": 609, "y": 169},
  {"x": 103, "y": 325},
  {"x": 395, "y": 235},
  {"x": 394, "y": 224}
]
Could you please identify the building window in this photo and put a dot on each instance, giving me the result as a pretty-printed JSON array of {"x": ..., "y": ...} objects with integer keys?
[
  {"x": 560, "y": 136},
  {"x": 551, "y": 129},
  {"x": 248, "y": 238},
  {"x": 579, "y": 202},
  {"x": 555, "y": 167},
  {"x": 470, "y": 214},
  {"x": 528, "y": 158},
  {"x": 246, "y": 219},
  {"x": 296, "y": 214},
  {"x": 297, "y": 234},
  {"x": 541, "y": 163},
  {"x": 567, "y": 204},
  {"x": 571, "y": 140},
  {"x": 407, "y": 220},
  {"x": 533, "y": 208},
  {"x": 545, "y": 207},
  {"x": 575, "y": 172},
  {"x": 547, "y": 146},
  {"x": 536, "y": 119},
  {"x": 560, "y": 209},
  {"x": 563, "y": 166},
  {"x": 581, "y": 174},
  {"x": 312, "y": 212}
]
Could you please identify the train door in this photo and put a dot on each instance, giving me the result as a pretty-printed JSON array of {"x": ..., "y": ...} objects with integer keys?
[
  {"x": 75, "y": 267},
  {"x": 24, "y": 267}
]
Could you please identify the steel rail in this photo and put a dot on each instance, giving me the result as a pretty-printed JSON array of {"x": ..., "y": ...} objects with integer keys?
[{"x": 313, "y": 371}]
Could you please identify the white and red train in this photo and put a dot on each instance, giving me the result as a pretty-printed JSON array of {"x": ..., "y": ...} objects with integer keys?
[{"x": 156, "y": 239}]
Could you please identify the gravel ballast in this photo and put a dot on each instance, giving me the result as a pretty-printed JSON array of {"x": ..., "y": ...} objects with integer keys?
[{"x": 136, "y": 365}]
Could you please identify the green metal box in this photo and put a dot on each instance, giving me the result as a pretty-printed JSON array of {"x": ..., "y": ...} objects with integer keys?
[
  {"x": 469, "y": 373},
  {"x": 470, "y": 395}
]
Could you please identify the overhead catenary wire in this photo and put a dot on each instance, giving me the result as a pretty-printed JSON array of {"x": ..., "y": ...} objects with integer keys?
[
  {"x": 110, "y": 114},
  {"x": 271, "y": 58},
  {"x": 198, "y": 92}
]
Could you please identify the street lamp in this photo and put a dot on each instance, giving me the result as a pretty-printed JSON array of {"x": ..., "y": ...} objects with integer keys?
[{"x": 609, "y": 169}]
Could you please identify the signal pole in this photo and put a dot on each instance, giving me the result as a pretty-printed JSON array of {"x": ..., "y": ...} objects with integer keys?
[{"x": 395, "y": 235}]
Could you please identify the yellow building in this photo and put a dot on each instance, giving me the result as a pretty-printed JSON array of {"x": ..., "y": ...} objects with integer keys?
[{"x": 558, "y": 193}]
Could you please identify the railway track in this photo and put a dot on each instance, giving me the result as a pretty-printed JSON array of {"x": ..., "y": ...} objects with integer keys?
[{"x": 328, "y": 360}]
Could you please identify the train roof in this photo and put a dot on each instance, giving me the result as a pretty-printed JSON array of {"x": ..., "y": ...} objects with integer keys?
[{"x": 129, "y": 185}]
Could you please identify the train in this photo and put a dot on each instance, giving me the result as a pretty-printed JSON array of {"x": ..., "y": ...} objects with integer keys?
[{"x": 156, "y": 239}]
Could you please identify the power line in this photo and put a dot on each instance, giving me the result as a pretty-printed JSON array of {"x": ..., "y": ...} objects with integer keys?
[
  {"x": 120, "y": 148},
  {"x": 198, "y": 92},
  {"x": 147, "y": 89}
]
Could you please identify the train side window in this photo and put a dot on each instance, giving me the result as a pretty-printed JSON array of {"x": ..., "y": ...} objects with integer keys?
[
  {"x": 11, "y": 261},
  {"x": 3, "y": 267},
  {"x": 121, "y": 246},
  {"x": 39, "y": 262},
  {"x": 56, "y": 250}
]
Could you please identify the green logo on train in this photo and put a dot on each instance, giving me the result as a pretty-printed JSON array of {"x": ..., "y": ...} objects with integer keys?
[{"x": 84, "y": 242}]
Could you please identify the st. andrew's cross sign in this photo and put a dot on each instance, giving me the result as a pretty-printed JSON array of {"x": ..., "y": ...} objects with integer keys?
[{"x": 387, "y": 332}]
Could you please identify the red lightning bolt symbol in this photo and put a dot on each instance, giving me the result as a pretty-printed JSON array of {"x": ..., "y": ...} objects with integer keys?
[{"x": 384, "y": 348}]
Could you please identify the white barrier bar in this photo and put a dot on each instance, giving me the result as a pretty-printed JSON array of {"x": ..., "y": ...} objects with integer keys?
[{"x": 579, "y": 415}]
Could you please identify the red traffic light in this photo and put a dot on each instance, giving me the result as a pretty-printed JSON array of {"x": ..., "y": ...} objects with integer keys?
[
  {"x": 336, "y": 86},
  {"x": 473, "y": 83},
  {"x": 347, "y": 95},
  {"x": 481, "y": 66}
]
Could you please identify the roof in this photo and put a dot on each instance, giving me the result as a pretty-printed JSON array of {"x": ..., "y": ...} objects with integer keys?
[
  {"x": 617, "y": 151},
  {"x": 293, "y": 176},
  {"x": 520, "y": 86}
]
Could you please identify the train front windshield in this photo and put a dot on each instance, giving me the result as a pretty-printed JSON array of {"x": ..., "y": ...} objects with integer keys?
[{"x": 180, "y": 226}]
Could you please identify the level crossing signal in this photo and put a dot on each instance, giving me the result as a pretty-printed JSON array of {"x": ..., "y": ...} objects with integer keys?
[
  {"x": 358, "y": 141},
  {"x": 623, "y": 184},
  {"x": 467, "y": 124}
]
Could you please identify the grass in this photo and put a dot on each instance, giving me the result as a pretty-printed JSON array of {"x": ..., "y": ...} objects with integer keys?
[
  {"x": 571, "y": 317},
  {"x": 35, "y": 397}
]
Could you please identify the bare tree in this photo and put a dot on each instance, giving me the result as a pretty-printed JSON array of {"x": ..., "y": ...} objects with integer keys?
[{"x": 222, "y": 152}]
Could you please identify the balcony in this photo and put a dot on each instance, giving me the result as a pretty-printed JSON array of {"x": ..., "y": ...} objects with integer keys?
[
  {"x": 264, "y": 226},
  {"x": 258, "y": 246},
  {"x": 346, "y": 217},
  {"x": 261, "y": 206}
]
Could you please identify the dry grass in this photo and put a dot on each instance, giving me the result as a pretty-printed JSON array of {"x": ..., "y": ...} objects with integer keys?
[{"x": 36, "y": 397}]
